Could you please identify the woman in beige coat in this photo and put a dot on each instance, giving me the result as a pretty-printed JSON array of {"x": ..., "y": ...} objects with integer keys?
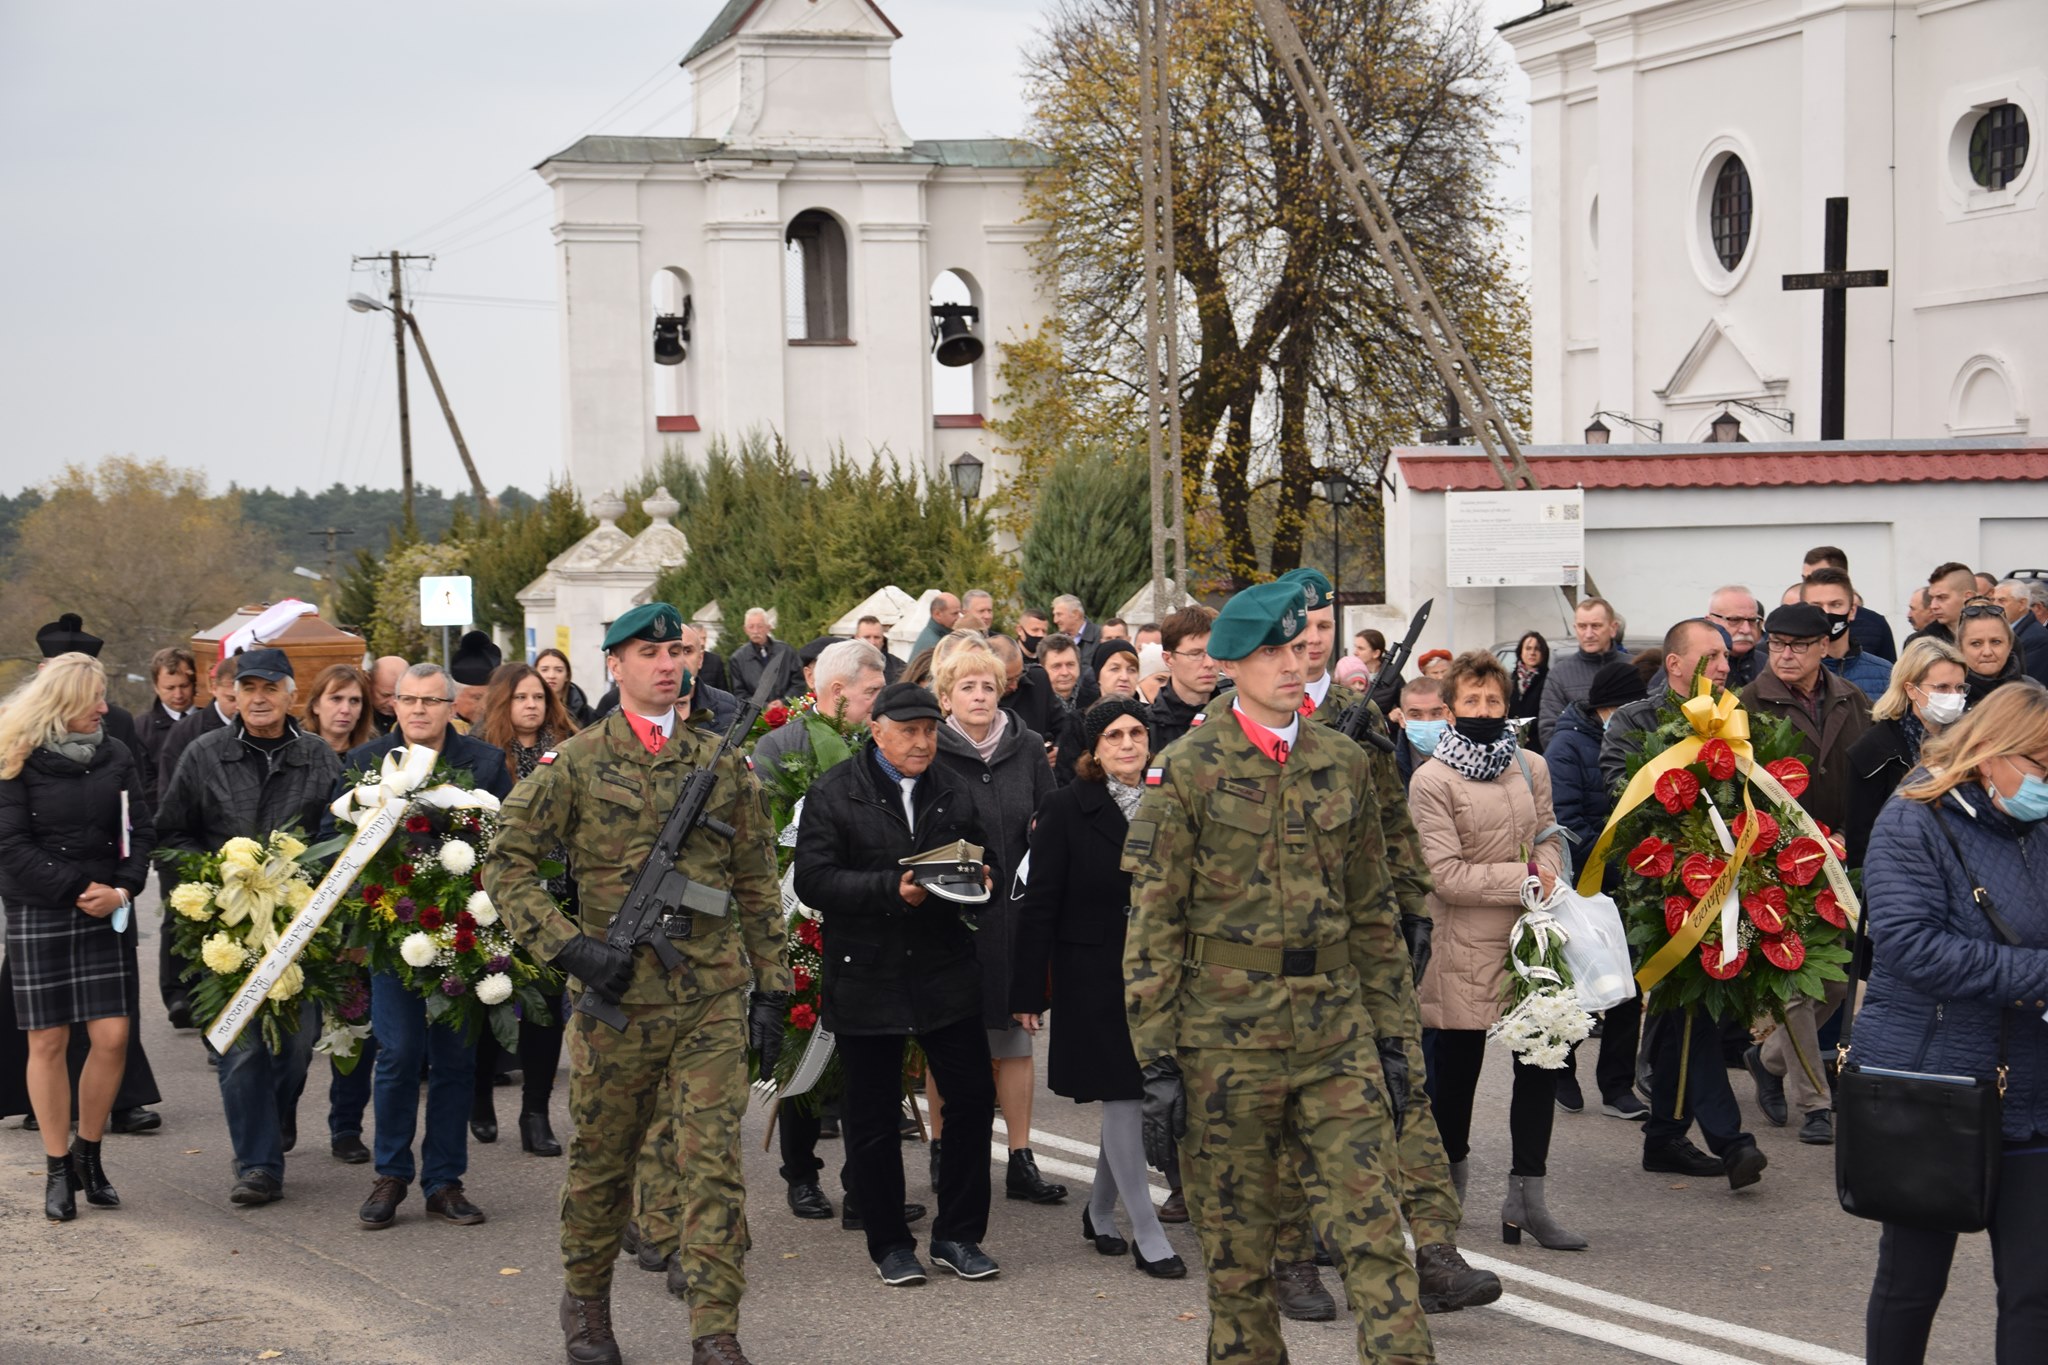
[{"x": 1482, "y": 809}]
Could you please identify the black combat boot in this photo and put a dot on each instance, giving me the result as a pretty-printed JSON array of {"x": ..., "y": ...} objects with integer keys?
[
  {"x": 587, "y": 1331},
  {"x": 1449, "y": 1284}
]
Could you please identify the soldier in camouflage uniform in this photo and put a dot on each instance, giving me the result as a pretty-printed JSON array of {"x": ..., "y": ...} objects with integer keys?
[
  {"x": 603, "y": 796},
  {"x": 1271, "y": 1000},
  {"x": 1428, "y": 1197}
]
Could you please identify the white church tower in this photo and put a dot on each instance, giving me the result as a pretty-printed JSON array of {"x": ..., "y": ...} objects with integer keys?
[
  {"x": 1682, "y": 156},
  {"x": 793, "y": 247}
]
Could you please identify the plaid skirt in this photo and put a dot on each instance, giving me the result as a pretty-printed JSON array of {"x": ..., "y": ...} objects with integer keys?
[{"x": 67, "y": 966}]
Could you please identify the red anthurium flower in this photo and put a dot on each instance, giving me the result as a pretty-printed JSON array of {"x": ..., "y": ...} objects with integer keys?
[
  {"x": 1677, "y": 790},
  {"x": 1802, "y": 861},
  {"x": 1791, "y": 774},
  {"x": 1786, "y": 951},
  {"x": 1767, "y": 830},
  {"x": 1710, "y": 962},
  {"x": 1766, "y": 909},
  {"x": 1697, "y": 873},
  {"x": 1718, "y": 759},
  {"x": 1828, "y": 908},
  {"x": 1651, "y": 858},
  {"x": 1676, "y": 908}
]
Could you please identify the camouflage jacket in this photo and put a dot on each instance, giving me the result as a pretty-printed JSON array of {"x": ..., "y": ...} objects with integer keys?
[
  {"x": 1397, "y": 830},
  {"x": 1228, "y": 844},
  {"x": 603, "y": 797}
]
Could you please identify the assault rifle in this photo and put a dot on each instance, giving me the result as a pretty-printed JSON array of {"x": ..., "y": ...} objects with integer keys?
[
  {"x": 1357, "y": 722},
  {"x": 660, "y": 890}
]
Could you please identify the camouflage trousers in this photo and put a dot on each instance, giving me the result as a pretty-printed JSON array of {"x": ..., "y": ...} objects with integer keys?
[
  {"x": 679, "y": 1070},
  {"x": 1254, "y": 1115},
  {"x": 1428, "y": 1198}
]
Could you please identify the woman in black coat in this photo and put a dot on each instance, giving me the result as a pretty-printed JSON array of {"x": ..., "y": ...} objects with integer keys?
[
  {"x": 1532, "y": 666},
  {"x": 1003, "y": 766},
  {"x": 1070, "y": 952},
  {"x": 75, "y": 839}
]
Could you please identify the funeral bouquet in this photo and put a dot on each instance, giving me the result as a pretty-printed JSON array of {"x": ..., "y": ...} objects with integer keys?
[
  {"x": 228, "y": 911},
  {"x": 1735, "y": 898},
  {"x": 1544, "y": 1017},
  {"x": 420, "y": 913}
]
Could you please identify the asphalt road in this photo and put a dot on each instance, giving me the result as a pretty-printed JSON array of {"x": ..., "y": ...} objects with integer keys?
[{"x": 1682, "y": 1271}]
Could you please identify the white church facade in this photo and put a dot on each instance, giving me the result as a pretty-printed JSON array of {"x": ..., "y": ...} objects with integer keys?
[
  {"x": 1682, "y": 156},
  {"x": 793, "y": 248}
]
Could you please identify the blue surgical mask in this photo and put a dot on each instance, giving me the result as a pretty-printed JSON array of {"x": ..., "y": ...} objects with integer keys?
[
  {"x": 2029, "y": 804},
  {"x": 1423, "y": 734}
]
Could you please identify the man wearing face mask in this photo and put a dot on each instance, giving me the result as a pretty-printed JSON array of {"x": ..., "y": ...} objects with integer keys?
[
  {"x": 1425, "y": 715},
  {"x": 1830, "y": 590}
]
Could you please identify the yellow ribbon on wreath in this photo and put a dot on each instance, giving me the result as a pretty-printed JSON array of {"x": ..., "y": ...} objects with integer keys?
[{"x": 1711, "y": 718}]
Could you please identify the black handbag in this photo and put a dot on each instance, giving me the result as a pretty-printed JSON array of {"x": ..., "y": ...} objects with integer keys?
[{"x": 1915, "y": 1148}]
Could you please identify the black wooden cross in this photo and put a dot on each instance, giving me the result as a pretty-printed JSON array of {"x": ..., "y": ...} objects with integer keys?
[
  {"x": 1835, "y": 282},
  {"x": 1454, "y": 431}
]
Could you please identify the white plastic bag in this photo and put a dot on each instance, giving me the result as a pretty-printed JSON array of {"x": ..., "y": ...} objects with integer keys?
[{"x": 1595, "y": 946}]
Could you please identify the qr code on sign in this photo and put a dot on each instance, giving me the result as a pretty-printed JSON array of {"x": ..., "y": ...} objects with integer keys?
[{"x": 1571, "y": 511}]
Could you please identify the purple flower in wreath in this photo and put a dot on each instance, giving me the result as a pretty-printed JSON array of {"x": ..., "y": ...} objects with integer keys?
[
  {"x": 403, "y": 909},
  {"x": 355, "y": 1000},
  {"x": 500, "y": 963},
  {"x": 452, "y": 985}
]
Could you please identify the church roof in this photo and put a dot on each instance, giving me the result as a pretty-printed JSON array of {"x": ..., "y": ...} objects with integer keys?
[
  {"x": 1789, "y": 464},
  {"x": 981, "y": 153},
  {"x": 737, "y": 12}
]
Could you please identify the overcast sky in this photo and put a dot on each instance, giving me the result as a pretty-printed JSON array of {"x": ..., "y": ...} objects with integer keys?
[{"x": 186, "y": 185}]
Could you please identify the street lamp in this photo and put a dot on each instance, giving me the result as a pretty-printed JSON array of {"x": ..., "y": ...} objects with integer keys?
[
  {"x": 403, "y": 321},
  {"x": 967, "y": 482},
  {"x": 1336, "y": 489},
  {"x": 1597, "y": 432},
  {"x": 1727, "y": 428}
]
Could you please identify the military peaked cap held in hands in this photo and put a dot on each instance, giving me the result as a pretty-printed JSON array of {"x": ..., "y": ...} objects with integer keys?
[
  {"x": 1269, "y": 614},
  {"x": 476, "y": 658},
  {"x": 1798, "y": 621},
  {"x": 66, "y": 635},
  {"x": 1316, "y": 591},
  {"x": 656, "y": 621},
  {"x": 905, "y": 701}
]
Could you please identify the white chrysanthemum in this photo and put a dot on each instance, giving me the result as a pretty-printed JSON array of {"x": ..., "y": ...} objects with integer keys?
[
  {"x": 289, "y": 983},
  {"x": 458, "y": 858},
  {"x": 286, "y": 847},
  {"x": 494, "y": 989},
  {"x": 418, "y": 949},
  {"x": 193, "y": 900},
  {"x": 221, "y": 954},
  {"x": 481, "y": 910}
]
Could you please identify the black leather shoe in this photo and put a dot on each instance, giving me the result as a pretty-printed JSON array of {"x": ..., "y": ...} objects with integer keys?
[
  {"x": 60, "y": 1204},
  {"x": 1770, "y": 1090},
  {"x": 1175, "y": 1209},
  {"x": 180, "y": 1012},
  {"x": 1680, "y": 1157},
  {"x": 537, "y": 1136},
  {"x": 851, "y": 1221},
  {"x": 91, "y": 1176},
  {"x": 1817, "y": 1131},
  {"x": 1744, "y": 1164},
  {"x": 1172, "y": 1268},
  {"x": 29, "y": 1124},
  {"x": 965, "y": 1259},
  {"x": 350, "y": 1150},
  {"x": 900, "y": 1267},
  {"x": 808, "y": 1201},
  {"x": 483, "y": 1118},
  {"x": 1106, "y": 1243},
  {"x": 288, "y": 1130},
  {"x": 256, "y": 1187},
  {"x": 136, "y": 1120},
  {"x": 1024, "y": 1182},
  {"x": 381, "y": 1207},
  {"x": 451, "y": 1205}
]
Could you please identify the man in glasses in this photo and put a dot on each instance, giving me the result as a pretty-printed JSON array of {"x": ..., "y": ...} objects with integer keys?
[
  {"x": 1735, "y": 610},
  {"x": 1190, "y": 675}
]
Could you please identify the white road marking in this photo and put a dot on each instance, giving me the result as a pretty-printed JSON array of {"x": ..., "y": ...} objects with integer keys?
[{"x": 1514, "y": 1305}]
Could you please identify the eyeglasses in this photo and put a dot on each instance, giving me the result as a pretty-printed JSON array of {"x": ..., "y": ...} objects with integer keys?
[
  {"x": 1780, "y": 645},
  {"x": 1978, "y": 608},
  {"x": 2033, "y": 766},
  {"x": 421, "y": 701},
  {"x": 1753, "y": 622},
  {"x": 1191, "y": 654}
]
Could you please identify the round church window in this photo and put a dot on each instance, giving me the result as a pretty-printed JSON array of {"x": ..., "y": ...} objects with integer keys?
[
  {"x": 1729, "y": 213},
  {"x": 1998, "y": 146}
]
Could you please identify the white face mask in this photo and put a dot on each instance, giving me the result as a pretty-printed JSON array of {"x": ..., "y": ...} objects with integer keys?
[{"x": 1944, "y": 708}]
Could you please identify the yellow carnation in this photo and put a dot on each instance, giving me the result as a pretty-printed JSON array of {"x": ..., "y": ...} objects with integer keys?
[
  {"x": 243, "y": 852},
  {"x": 285, "y": 846},
  {"x": 221, "y": 954},
  {"x": 193, "y": 900},
  {"x": 296, "y": 894},
  {"x": 289, "y": 983}
]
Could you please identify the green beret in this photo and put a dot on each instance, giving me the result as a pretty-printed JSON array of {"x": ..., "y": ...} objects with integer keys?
[
  {"x": 1269, "y": 614},
  {"x": 1316, "y": 591},
  {"x": 656, "y": 621}
]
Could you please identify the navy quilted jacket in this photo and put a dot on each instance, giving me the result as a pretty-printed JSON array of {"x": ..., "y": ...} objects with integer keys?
[{"x": 1941, "y": 976}]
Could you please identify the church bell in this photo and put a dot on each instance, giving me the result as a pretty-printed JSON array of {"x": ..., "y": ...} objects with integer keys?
[
  {"x": 953, "y": 340},
  {"x": 672, "y": 335}
]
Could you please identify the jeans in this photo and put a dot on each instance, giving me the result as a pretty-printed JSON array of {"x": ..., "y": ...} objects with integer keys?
[
  {"x": 957, "y": 1054},
  {"x": 260, "y": 1089},
  {"x": 348, "y": 1096},
  {"x": 1912, "y": 1274},
  {"x": 1708, "y": 1096},
  {"x": 404, "y": 1038}
]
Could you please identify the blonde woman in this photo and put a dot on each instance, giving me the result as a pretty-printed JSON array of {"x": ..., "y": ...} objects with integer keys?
[
  {"x": 75, "y": 839},
  {"x": 1001, "y": 763},
  {"x": 1951, "y": 995},
  {"x": 1928, "y": 693}
]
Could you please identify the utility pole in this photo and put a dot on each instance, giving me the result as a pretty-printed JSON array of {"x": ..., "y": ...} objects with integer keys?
[
  {"x": 398, "y": 319},
  {"x": 332, "y": 533},
  {"x": 476, "y": 483}
]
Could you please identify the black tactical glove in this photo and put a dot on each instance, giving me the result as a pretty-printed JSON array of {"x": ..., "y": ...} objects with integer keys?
[
  {"x": 600, "y": 966},
  {"x": 764, "y": 1028},
  {"x": 1394, "y": 1066},
  {"x": 1416, "y": 929},
  {"x": 1163, "y": 1110}
]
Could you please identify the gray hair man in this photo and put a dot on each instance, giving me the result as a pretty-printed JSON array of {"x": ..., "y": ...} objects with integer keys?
[
  {"x": 977, "y": 611},
  {"x": 763, "y": 657},
  {"x": 2026, "y": 610},
  {"x": 945, "y": 612},
  {"x": 1737, "y": 612},
  {"x": 1070, "y": 620}
]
